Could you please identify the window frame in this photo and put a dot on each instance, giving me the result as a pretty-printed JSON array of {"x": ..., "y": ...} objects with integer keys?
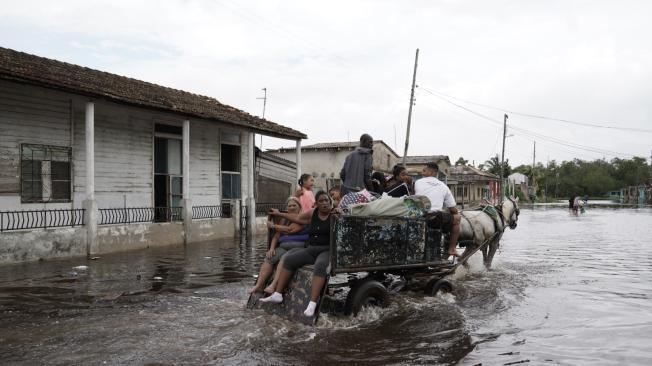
[
  {"x": 47, "y": 157},
  {"x": 226, "y": 141}
]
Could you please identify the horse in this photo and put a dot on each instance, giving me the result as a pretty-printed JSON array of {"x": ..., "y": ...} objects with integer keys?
[{"x": 487, "y": 223}]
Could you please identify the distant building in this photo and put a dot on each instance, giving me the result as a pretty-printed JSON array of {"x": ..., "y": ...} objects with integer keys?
[
  {"x": 325, "y": 160},
  {"x": 471, "y": 186},
  {"x": 519, "y": 180},
  {"x": 637, "y": 195},
  {"x": 275, "y": 178},
  {"x": 415, "y": 164}
]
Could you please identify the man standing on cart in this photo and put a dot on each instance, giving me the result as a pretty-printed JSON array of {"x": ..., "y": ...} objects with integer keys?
[
  {"x": 356, "y": 172},
  {"x": 440, "y": 197}
]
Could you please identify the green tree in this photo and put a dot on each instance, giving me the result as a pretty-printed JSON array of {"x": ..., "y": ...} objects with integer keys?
[
  {"x": 461, "y": 161},
  {"x": 493, "y": 166}
]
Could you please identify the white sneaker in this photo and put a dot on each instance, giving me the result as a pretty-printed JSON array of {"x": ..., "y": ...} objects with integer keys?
[
  {"x": 310, "y": 310},
  {"x": 274, "y": 298}
]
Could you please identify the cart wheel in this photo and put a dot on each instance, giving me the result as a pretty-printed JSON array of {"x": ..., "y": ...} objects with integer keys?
[
  {"x": 367, "y": 292},
  {"x": 438, "y": 284}
]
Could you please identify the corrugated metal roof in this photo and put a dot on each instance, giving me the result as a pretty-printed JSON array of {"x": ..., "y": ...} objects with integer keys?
[{"x": 41, "y": 71}]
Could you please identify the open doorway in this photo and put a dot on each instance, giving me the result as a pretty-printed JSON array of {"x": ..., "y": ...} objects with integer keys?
[{"x": 168, "y": 176}]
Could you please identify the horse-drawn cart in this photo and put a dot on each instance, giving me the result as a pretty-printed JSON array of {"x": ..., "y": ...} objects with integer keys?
[{"x": 369, "y": 258}]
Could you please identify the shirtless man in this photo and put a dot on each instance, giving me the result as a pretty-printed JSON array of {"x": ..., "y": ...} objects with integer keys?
[{"x": 440, "y": 196}]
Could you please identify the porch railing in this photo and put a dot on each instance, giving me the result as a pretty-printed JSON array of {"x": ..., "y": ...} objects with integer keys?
[
  {"x": 207, "y": 212},
  {"x": 129, "y": 215},
  {"x": 40, "y": 219},
  {"x": 263, "y": 208}
]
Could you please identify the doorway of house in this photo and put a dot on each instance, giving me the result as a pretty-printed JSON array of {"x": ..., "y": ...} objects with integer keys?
[{"x": 168, "y": 178}]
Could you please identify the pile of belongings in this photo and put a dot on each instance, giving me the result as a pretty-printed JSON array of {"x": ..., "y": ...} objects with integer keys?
[{"x": 365, "y": 204}]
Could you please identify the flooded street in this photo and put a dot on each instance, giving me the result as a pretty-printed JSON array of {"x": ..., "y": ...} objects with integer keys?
[{"x": 564, "y": 290}]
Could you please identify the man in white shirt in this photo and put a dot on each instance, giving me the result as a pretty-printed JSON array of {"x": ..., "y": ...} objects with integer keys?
[{"x": 440, "y": 196}]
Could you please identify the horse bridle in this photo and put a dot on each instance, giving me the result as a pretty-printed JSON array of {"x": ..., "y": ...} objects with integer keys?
[{"x": 511, "y": 222}]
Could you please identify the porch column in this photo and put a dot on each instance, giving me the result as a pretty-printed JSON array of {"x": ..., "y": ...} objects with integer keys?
[
  {"x": 185, "y": 190},
  {"x": 89, "y": 204},
  {"x": 298, "y": 159},
  {"x": 251, "y": 201}
]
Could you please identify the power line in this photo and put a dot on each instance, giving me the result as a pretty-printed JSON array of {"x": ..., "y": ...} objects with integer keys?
[
  {"x": 585, "y": 124},
  {"x": 529, "y": 133}
]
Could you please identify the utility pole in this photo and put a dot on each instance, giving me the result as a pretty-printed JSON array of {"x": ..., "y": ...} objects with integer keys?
[
  {"x": 264, "y": 98},
  {"x": 545, "y": 191},
  {"x": 534, "y": 156},
  {"x": 502, "y": 161},
  {"x": 414, "y": 80}
]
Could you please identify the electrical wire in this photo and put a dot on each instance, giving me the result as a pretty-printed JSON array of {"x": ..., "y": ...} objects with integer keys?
[
  {"x": 585, "y": 124},
  {"x": 530, "y": 133}
]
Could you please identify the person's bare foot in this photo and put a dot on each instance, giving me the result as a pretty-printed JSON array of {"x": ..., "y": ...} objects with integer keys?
[
  {"x": 269, "y": 289},
  {"x": 255, "y": 289}
]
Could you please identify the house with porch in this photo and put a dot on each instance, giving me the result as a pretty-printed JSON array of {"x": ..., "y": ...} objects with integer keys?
[
  {"x": 471, "y": 186},
  {"x": 93, "y": 162}
]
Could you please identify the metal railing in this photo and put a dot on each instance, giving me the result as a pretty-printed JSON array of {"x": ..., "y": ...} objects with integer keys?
[
  {"x": 40, "y": 219},
  {"x": 263, "y": 208},
  {"x": 129, "y": 215},
  {"x": 207, "y": 212}
]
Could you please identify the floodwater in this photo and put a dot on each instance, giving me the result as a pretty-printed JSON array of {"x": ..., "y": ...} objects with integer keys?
[{"x": 564, "y": 290}]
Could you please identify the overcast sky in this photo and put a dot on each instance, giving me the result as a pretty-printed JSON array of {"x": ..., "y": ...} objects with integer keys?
[{"x": 337, "y": 69}]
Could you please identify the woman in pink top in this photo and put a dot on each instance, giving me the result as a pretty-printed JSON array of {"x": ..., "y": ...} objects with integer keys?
[{"x": 304, "y": 193}]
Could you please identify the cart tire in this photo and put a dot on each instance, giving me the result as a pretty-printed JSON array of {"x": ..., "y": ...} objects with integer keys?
[
  {"x": 435, "y": 286},
  {"x": 368, "y": 292}
]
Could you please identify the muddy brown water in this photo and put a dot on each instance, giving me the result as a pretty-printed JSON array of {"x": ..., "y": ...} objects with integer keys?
[{"x": 564, "y": 290}]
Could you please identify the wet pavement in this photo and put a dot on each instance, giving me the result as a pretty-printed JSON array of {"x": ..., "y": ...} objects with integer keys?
[{"x": 564, "y": 290}]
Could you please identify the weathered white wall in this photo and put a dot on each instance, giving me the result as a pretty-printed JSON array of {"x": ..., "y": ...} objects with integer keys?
[
  {"x": 28, "y": 115},
  {"x": 123, "y": 155},
  {"x": 205, "y": 187}
]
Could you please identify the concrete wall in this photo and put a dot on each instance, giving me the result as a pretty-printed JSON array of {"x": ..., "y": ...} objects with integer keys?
[
  {"x": 115, "y": 238},
  {"x": 31, "y": 245},
  {"x": 326, "y": 164},
  {"x": 322, "y": 164},
  {"x": 212, "y": 229}
]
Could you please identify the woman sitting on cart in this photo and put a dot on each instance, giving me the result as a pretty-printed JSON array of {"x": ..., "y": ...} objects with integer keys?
[
  {"x": 317, "y": 252},
  {"x": 287, "y": 236},
  {"x": 400, "y": 184}
]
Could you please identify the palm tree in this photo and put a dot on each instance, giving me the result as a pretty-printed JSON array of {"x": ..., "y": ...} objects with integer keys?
[
  {"x": 493, "y": 166},
  {"x": 461, "y": 161}
]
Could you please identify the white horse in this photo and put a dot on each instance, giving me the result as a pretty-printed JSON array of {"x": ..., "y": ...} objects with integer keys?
[{"x": 478, "y": 226}]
